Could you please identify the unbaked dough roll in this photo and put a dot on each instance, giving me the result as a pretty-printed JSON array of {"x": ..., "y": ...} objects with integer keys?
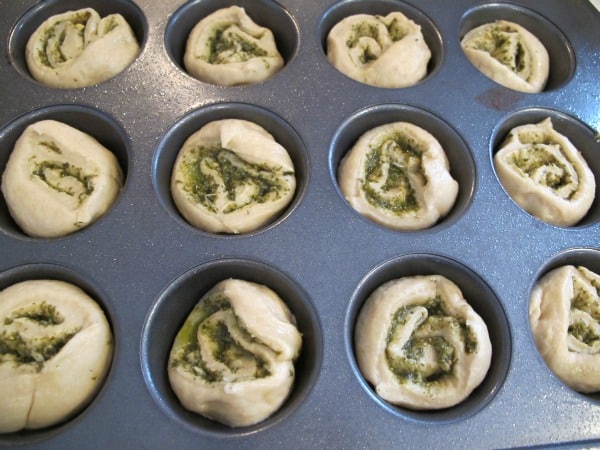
[
  {"x": 59, "y": 180},
  {"x": 398, "y": 175},
  {"x": 383, "y": 51},
  {"x": 78, "y": 48},
  {"x": 420, "y": 344},
  {"x": 564, "y": 313},
  {"x": 508, "y": 54},
  {"x": 228, "y": 48},
  {"x": 231, "y": 176},
  {"x": 545, "y": 174},
  {"x": 233, "y": 359},
  {"x": 55, "y": 350}
]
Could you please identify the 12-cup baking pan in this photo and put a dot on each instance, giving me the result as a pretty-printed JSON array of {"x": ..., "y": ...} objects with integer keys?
[{"x": 147, "y": 267}]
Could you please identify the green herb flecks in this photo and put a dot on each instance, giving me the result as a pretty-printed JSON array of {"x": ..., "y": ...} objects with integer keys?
[{"x": 65, "y": 178}]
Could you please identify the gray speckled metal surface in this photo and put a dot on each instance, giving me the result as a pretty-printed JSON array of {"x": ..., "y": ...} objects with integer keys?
[{"x": 146, "y": 265}]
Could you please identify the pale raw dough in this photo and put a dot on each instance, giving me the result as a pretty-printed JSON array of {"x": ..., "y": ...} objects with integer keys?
[
  {"x": 55, "y": 350},
  {"x": 228, "y": 48},
  {"x": 231, "y": 176},
  {"x": 79, "y": 48},
  {"x": 244, "y": 379},
  {"x": 383, "y": 51},
  {"x": 564, "y": 313},
  {"x": 508, "y": 54},
  {"x": 545, "y": 174},
  {"x": 398, "y": 175},
  {"x": 420, "y": 344},
  {"x": 59, "y": 180}
]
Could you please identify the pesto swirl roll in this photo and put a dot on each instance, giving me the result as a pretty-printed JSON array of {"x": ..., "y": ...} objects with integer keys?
[
  {"x": 398, "y": 175},
  {"x": 79, "y": 48},
  {"x": 564, "y": 314},
  {"x": 545, "y": 174},
  {"x": 383, "y": 51},
  {"x": 231, "y": 176},
  {"x": 420, "y": 344},
  {"x": 233, "y": 359},
  {"x": 228, "y": 48},
  {"x": 55, "y": 350},
  {"x": 59, "y": 180},
  {"x": 509, "y": 54}
]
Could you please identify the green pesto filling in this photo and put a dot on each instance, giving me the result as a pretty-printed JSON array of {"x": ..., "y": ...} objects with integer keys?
[
  {"x": 584, "y": 300},
  {"x": 231, "y": 47},
  {"x": 50, "y": 54},
  {"x": 224, "y": 347},
  {"x": 371, "y": 30},
  {"x": 392, "y": 190},
  {"x": 530, "y": 160},
  {"x": 502, "y": 42},
  {"x": 52, "y": 173},
  {"x": 43, "y": 313},
  {"x": 408, "y": 367},
  {"x": 232, "y": 173}
]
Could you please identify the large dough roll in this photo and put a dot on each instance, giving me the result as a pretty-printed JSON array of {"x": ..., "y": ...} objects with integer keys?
[
  {"x": 420, "y": 344},
  {"x": 233, "y": 359}
]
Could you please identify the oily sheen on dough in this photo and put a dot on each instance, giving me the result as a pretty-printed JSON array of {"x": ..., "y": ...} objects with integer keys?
[
  {"x": 56, "y": 348},
  {"x": 231, "y": 176},
  {"x": 545, "y": 174},
  {"x": 79, "y": 48},
  {"x": 233, "y": 359},
  {"x": 564, "y": 317},
  {"x": 509, "y": 54},
  {"x": 59, "y": 180},
  {"x": 420, "y": 344},
  {"x": 383, "y": 51},
  {"x": 228, "y": 48},
  {"x": 398, "y": 175}
]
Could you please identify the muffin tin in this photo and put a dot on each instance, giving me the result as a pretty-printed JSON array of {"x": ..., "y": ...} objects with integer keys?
[{"x": 147, "y": 267}]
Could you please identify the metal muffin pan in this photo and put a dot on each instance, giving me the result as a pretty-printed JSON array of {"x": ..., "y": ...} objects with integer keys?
[{"x": 147, "y": 267}]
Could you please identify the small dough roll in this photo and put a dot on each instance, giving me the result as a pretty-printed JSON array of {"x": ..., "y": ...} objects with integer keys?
[
  {"x": 564, "y": 313},
  {"x": 56, "y": 348},
  {"x": 508, "y": 54},
  {"x": 545, "y": 174},
  {"x": 231, "y": 176},
  {"x": 79, "y": 48},
  {"x": 398, "y": 176},
  {"x": 228, "y": 48},
  {"x": 59, "y": 180},
  {"x": 382, "y": 51},
  {"x": 420, "y": 344},
  {"x": 233, "y": 359}
]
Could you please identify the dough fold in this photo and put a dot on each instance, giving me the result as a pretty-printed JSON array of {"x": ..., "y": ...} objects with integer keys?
[
  {"x": 228, "y": 48},
  {"x": 398, "y": 176},
  {"x": 383, "y": 51},
  {"x": 420, "y": 344},
  {"x": 564, "y": 314},
  {"x": 55, "y": 351},
  {"x": 59, "y": 180},
  {"x": 233, "y": 359},
  {"x": 545, "y": 174},
  {"x": 79, "y": 48}
]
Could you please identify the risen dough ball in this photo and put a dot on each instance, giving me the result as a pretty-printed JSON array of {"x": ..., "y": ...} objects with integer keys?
[
  {"x": 59, "y": 180},
  {"x": 233, "y": 359},
  {"x": 398, "y": 175},
  {"x": 564, "y": 313},
  {"x": 55, "y": 350},
  {"x": 229, "y": 48},
  {"x": 508, "y": 54},
  {"x": 545, "y": 174},
  {"x": 231, "y": 176},
  {"x": 383, "y": 51},
  {"x": 420, "y": 344},
  {"x": 78, "y": 48}
]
